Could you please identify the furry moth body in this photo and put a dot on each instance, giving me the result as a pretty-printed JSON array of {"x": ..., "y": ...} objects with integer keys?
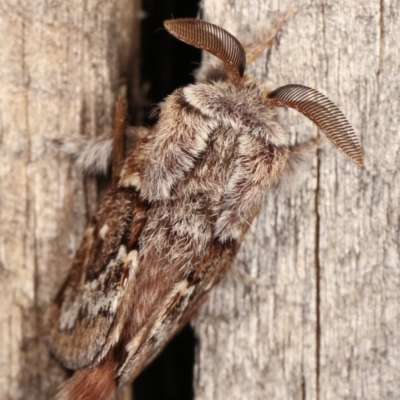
[{"x": 176, "y": 215}]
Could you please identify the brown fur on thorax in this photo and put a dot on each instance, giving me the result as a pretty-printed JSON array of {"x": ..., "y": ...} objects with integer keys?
[{"x": 187, "y": 195}]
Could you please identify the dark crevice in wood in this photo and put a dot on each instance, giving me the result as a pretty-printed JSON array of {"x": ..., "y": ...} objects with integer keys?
[
  {"x": 303, "y": 388},
  {"x": 382, "y": 37},
  {"x": 166, "y": 64},
  {"x": 317, "y": 286}
]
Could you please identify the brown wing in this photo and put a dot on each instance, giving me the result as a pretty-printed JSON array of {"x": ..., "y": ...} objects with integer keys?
[
  {"x": 173, "y": 310},
  {"x": 86, "y": 311}
]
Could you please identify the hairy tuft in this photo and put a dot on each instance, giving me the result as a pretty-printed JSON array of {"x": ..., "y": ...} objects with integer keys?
[
  {"x": 299, "y": 161},
  {"x": 90, "y": 384},
  {"x": 93, "y": 155}
]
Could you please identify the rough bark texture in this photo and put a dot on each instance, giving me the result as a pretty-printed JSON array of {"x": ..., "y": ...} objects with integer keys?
[
  {"x": 322, "y": 318},
  {"x": 60, "y": 64}
]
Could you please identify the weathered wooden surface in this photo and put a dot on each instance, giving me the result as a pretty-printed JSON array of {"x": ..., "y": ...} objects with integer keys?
[
  {"x": 60, "y": 65},
  {"x": 323, "y": 319}
]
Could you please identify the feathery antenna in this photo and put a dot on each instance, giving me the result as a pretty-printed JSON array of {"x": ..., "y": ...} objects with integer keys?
[
  {"x": 323, "y": 112},
  {"x": 214, "y": 39}
]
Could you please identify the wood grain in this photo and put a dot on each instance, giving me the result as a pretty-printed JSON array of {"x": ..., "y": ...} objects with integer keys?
[
  {"x": 317, "y": 316},
  {"x": 60, "y": 66}
]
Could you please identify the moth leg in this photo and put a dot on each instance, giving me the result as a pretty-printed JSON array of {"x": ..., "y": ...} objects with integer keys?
[
  {"x": 258, "y": 166},
  {"x": 298, "y": 162},
  {"x": 132, "y": 135},
  {"x": 94, "y": 155},
  {"x": 255, "y": 48},
  {"x": 240, "y": 274},
  {"x": 118, "y": 152}
]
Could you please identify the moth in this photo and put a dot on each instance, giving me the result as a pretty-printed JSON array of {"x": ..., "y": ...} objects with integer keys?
[{"x": 176, "y": 213}]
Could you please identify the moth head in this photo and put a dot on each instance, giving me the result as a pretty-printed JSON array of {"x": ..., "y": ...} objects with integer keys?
[{"x": 314, "y": 105}]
